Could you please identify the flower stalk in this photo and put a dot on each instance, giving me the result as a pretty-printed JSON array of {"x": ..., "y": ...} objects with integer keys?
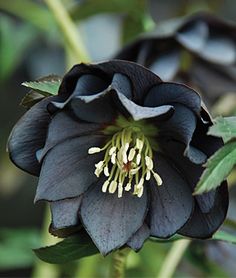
[
  {"x": 69, "y": 30},
  {"x": 118, "y": 263},
  {"x": 173, "y": 258}
]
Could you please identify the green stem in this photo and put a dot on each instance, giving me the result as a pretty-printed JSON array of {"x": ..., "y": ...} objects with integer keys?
[
  {"x": 118, "y": 262},
  {"x": 41, "y": 268},
  {"x": 173, "y": 258},
  {"x": 69, "y": 30}
]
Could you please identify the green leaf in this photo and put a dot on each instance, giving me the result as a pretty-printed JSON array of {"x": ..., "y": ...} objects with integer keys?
[
  {"x": 224, "y": 127},
  {"x": 71, "y": 248},
  {"x": 29, "y": 11},
  {"x": 48, "y": 84},
  {"x": 32, "y": 98},
  {"x": 224, "y": 236},
  {"x": 15, "y": 247},
  {"x": 44, "y": 87},
  {"x": 218, "y": 168}
]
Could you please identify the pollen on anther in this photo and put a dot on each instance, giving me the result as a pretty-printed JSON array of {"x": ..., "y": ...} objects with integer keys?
[{"x": 94, "y": 150}]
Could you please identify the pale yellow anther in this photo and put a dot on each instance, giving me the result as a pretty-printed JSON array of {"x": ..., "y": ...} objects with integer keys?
[
  {"x": 140, "y": 184},
  {"x": 138, "y": 158},
  {"x": 134, "y": 171},
  {"x": 127, "y": 162},
  {"x": 140, "y": 192},
  {"x": 157, "y": 178},
  {"x": 126, "y": 147},
  {"x": 113, "y": 158},
  {"x": 99, "y": 164},
  {"x": 124, "y": 157},
  {"x": 105, "y": 186},
  {"x": 120, "y": 190},
  {"x": 113, "y": 187},
  {"x": 98, "y": 172},
  {"x": 128, "y": 187},
  {"x": 106, "y": 171},
  {"x": 149, "y": 162},
  {"x": 112, "y": 150},
  {"x": 131, "y": 155},
  {"x": 94, "y": 150},
  {"x": 139, "y": 144}
]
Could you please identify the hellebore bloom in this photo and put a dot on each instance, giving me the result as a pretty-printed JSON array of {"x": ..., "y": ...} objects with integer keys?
[
  {"x": 119, "y": 152},
  {"x": 199, "y": 51}
]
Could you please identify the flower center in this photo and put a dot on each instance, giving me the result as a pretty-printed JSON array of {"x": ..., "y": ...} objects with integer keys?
[{"x": 128, "y": 158}]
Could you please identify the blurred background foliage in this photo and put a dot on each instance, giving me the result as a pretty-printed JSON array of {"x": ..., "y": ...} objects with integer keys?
[{"x": 31, "y": 46}]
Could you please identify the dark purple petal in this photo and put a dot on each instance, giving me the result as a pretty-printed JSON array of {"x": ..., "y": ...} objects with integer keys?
[
  {"x": 190, "y": 171},
  {"x": 139, "y": 112},
  {"x": 171, "y": 203},
  {"x": 173, "y": 93},
  {"x": 63, "y": 126},
  {"x": 203, "y": 225},
  {"x": 109, "y": 220},
  {"x": 180, "y": 126},
  {"x": 141, "y": 79},
  {"x": 65, "y": 212},
  {"x": 99, "y": 108},
  {"x": 195, "y": 155},
  {"x": 121, "y": 84},
  {"x": 28, "y": 136},
  {"x": 68, "y": 169},
  {"x": 194, "y": 36},
  {"x": 89, "y": 84},
  {"x": 137, "y": 240}
]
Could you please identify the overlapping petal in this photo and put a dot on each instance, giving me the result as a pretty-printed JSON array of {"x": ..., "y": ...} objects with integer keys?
[
  {"x": 28, "y": 136},
  {"x": 111, "y": 221},
  {"x": 67, "y": 169},
  {"x": 171, "y": 203}
]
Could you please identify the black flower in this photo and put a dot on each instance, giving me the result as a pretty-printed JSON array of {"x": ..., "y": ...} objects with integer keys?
[
  {"x": 199, "y": 50},
  {"x": 119, "y": 152}
]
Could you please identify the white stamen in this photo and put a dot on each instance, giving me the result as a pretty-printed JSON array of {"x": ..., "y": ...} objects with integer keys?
[
  {"x": 106, "y": 171},
  {"x": 112, "y": 150},
  {"x": 148, "y": 175},
  {"x": 120, "y": 190},
  {"x": 99, "y": 164},
  {"x": 120, "y": 155},
  {"x": 128, "y": 187},
  {"x": 131, "y": 154},
  {"x": 105, "y": 186},
  {"x": 98, "y": 171},
  {"x": 157, "y": 178},
  {"x": 135, "y": 190},
  {"x": 140, "y": 192},
  {"x": 134, "y": 171},
  {"x": 138, "y": 158},
  {"x": 126, "y": 147},
  {"x": 124, "y": 156},
  {"x": 149, "y": 162},
  {"x": 139, "y": 144},
  {"x": 140, "y": 184},
  {"x": 113, "y": 158},
  {"x": 94, "y": 150},
  {"x": 113, "y": 187}
]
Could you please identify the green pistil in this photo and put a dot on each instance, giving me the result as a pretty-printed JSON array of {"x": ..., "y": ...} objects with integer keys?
[{"x": 128, "y": 158}]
